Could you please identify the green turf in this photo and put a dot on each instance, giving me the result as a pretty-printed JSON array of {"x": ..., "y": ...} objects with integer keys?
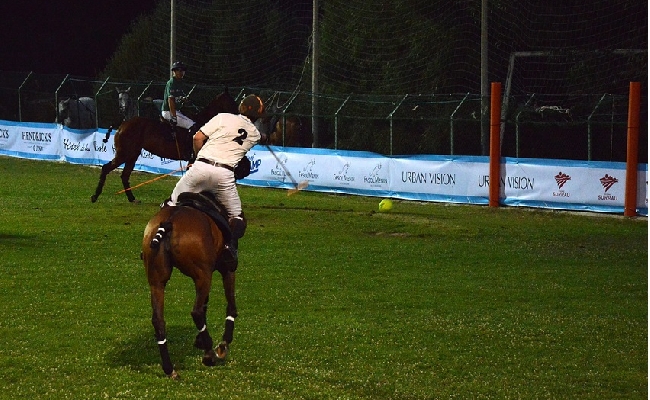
[{"x": 336, "y": 300}]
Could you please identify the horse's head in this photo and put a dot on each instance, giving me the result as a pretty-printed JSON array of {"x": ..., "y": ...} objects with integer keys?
[
  {"x": 78, "y": 113},
  {"x": 126, "y": 103},
  {"x": 63, "y": 111},
  {"x": 291, "y": 131},
  {"x": 223, "y": 103}
]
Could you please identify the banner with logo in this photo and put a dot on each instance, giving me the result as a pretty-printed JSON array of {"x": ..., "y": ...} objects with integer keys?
[
  {"x": 440, "y": 178},
  {"x": 569, "y": 184},
  {"x": 324, "y": 170},
  {"x": 30, "y": 140},
  {"x": 539, "y": 183}
]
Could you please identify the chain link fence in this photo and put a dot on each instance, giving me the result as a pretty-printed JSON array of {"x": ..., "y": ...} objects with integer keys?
[{"x": 582, "y": 127}]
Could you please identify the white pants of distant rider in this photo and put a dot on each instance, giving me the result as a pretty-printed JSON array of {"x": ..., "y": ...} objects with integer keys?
[
  {"x": 181, "y": 120},
  {"x": 218, "y": 180}
]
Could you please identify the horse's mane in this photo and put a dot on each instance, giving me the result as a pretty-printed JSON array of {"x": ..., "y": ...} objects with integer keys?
[{"x": 224, "y": 102}]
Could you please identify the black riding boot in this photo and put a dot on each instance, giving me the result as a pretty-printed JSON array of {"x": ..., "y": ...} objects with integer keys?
[
  {"x": 193, "y": 129},
  {"x": 237, "y": 229}
]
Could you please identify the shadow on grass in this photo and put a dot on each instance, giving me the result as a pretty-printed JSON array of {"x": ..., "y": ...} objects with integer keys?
[
  {"x": 140, "y": 351},
  {"x": 17, "y": 241}
]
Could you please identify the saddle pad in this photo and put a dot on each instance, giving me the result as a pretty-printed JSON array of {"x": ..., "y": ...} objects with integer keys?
[{"x": 206, "y": 203}]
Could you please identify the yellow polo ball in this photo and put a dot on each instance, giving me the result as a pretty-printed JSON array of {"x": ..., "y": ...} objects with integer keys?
[{"x": 385, "y": 205}]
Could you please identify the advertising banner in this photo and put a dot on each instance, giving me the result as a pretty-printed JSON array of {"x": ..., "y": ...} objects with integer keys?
[{"x": 540, "y": 183}]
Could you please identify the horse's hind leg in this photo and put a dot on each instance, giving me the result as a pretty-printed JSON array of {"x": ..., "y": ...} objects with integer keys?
[
  {"x": 231, "y": 313},
  {"x": 158, "y": 321},
  {"x": 203, "y": 339},
  {"x": 126, "y": 174},
  {"x": 158, "y": 268},
  {"x": 106, "y": 169}
]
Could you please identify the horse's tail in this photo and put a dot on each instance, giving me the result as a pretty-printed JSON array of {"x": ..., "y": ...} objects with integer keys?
[
  {"x": 164, "y": 230},
  {"x": 110, "y": 129},
  {"x": 108, "y": 134}
]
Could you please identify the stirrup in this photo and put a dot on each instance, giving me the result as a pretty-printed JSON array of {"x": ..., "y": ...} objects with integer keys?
[
  {"x": 232, "y": 251},
  {"x": 229, "y": 257}
]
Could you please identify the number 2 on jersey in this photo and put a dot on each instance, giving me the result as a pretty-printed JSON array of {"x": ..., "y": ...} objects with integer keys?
[{"x": 242, "y": 135}]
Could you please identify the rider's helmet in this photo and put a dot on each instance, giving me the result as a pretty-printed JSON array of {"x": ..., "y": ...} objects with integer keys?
[
  {"x": 178, "y": 65},
  {"x": 251, "y": 106}
]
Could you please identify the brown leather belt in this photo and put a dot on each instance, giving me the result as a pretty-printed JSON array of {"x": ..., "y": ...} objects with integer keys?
[{"x": 216, "y": 164}]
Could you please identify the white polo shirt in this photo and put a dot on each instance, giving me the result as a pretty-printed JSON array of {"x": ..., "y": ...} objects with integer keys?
[{"x": 230, "y": 136}]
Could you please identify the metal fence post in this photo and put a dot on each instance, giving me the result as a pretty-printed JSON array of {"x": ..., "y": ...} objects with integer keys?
[
  {"x": 142, "y": 94},
  {"x": 589, "y": 127},
  {"x": 517, "y": 125},
  {"x": 20, "y": 107},
  {"x": 451, "y": 125},
  {"x": 390, "y": 116},
  {"x": 56, "y": 98},
  {"x": 336, "y": 122}
]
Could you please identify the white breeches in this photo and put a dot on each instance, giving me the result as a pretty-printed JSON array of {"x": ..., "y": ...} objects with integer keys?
[
  {"x": 181, "y": 120},
  {"x": 218, "y": 180}
]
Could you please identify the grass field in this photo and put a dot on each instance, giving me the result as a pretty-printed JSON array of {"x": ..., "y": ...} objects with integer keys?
[{"x": 336, "y": 301}]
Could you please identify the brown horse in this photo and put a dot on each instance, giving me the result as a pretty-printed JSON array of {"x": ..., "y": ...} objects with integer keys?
[
  {"x": 284, "y": 130},
  {"x": 186, "y": 238},
  {"x": 155, "y": 136},
  {"x": 291, "y": 131}
]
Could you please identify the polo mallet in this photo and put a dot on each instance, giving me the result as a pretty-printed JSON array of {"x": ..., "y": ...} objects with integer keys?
[
  {"x": 298, "y": 186},
  {"x": 178, "y": 150},
  {"x": 151, "y": 180}
]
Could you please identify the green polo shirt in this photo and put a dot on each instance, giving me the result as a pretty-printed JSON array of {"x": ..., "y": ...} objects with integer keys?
[{"x": 176, "y": 88}]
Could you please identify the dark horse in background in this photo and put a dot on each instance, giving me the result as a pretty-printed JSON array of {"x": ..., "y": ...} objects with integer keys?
[
  {"x": 155, "y": 136},
  {"x": 185, "y": 237},
  {"x": 285, "y": 130}
]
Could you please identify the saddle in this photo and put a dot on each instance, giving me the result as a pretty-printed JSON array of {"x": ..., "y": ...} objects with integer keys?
[{"x": 208, "y": 204}]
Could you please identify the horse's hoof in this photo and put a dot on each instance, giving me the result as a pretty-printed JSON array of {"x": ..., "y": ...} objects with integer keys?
[
  {"x": 222, "y": 351},
  {"x": 93, "y": 198},
  {"x": 210, "y": 358},
  {"x": 174, "y": 375},
  {"x": 135, "y": 201}
]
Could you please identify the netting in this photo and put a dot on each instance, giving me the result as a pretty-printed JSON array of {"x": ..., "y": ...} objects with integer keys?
[
  {"x": 230, "y": 43},
  {"x": 394, "y": 47},
  {"x": 403, "y": 77}
]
